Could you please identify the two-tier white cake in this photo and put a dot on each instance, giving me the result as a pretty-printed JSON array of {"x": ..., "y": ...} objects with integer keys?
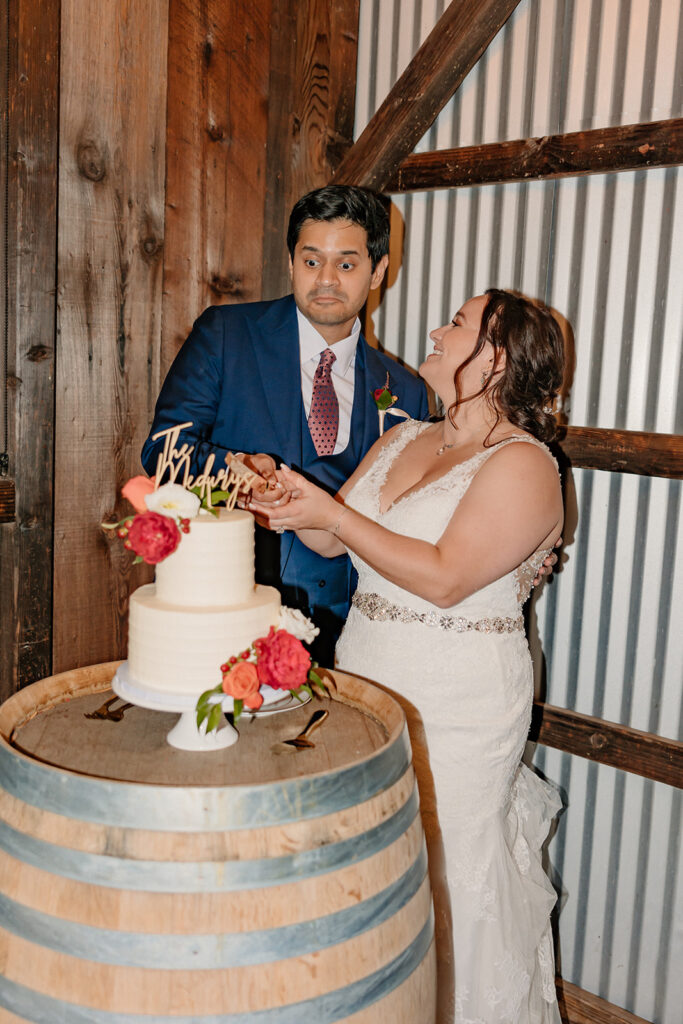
[{"x": 202, "y": 608}]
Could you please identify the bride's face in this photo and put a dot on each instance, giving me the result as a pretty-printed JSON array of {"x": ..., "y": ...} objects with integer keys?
[{"x": 453, "y": 343}]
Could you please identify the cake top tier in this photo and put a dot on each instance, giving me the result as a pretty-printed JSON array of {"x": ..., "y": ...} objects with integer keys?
[{"x": 213, "y": 566}]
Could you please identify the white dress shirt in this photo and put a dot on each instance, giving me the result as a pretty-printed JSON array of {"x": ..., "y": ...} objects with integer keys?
[{"x": 311, "y": 344}]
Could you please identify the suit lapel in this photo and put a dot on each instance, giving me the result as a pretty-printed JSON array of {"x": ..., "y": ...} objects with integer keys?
[
  {"x": 370, "y": 374},
  {"x": 276, "y": 348}
]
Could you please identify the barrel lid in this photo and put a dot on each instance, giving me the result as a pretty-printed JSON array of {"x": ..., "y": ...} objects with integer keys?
[{"x": 120, "y": 773}]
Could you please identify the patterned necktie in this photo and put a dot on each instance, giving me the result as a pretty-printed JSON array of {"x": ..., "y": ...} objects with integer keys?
[{"x": 323, "y": 419}]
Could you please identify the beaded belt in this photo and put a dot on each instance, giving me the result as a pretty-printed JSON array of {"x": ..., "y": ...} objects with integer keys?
[{"x": 375, "y": 607}]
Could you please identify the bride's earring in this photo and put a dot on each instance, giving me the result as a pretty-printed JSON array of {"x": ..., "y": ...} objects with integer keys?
[{"x": 484, "y": 379}]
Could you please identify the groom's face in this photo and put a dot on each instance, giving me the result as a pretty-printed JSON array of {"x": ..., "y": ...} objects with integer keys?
[{"x": 332, "y": 275}]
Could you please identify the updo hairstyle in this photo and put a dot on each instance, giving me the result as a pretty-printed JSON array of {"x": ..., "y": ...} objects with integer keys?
[{"x": 530, "y": 338}]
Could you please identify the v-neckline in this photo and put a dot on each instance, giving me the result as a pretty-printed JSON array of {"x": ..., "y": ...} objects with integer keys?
[{"x": 416, "y": 490}]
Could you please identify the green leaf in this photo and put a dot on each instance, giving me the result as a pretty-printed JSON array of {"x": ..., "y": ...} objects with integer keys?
[
  {"x": 138, "y": 559},
  {"x": 219, "y": 495},
  {"x": 205, "y": 698},
  {"x": 203, "y": 713},
  {"x": 237, "y": 706},
  {"x": 214, "y": 719}
]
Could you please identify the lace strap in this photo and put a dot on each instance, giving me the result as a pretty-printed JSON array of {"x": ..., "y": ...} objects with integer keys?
[
  {"x": 401, "y": 435},
  {"x": 525, "y": 439}
]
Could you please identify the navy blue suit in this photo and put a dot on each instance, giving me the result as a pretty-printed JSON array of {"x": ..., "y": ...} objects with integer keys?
[{"x": 238, "y": 379}]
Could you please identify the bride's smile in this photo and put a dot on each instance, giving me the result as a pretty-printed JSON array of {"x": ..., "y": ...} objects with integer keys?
[{"x": 454, "y": 343}]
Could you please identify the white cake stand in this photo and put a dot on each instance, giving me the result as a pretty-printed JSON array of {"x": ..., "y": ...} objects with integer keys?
[{"x": 185, "y": 735}]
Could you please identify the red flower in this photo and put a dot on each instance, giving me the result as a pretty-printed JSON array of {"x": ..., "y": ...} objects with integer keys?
[
  {"x": 153, "y": 537},
  {"x": 242, "y": 683},
  {"x": 283, "y": 661}
]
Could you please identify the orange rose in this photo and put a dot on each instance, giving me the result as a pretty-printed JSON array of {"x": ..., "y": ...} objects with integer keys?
[
  {"x": 241, "y": 682},
  {"x": 136, "y": 489}
]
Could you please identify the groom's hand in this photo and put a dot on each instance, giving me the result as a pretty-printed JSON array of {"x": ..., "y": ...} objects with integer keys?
[
  {"x": 269, "y": 489},
  {"x": 548, "y": 563}
]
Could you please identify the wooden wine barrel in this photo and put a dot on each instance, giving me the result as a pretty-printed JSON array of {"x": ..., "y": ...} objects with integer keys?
[{"x": 230, "y": 887}]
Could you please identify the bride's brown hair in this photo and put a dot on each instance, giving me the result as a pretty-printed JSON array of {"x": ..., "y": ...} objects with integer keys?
[{"x": 530, "y": 338}]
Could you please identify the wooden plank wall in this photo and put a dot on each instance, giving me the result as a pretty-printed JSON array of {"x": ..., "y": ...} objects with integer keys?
[
  {"x": 218, "y": 75},
  {"x": 311, "y": 113},
  {"x": 111, "y": 236},
  {"x": 26, "y": 530},
  {"x": 260, "y": 110},
  {"x": 174, "y": 120}
]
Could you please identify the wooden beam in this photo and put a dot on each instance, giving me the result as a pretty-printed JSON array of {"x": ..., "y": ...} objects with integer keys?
[
  {"x": 31, "y": 180},
  {"x": 450, "y": 51},
  {"x": 580, "y": 1007},
  {"x": 623, "y": 451},
  {"x": 7, "y": 499},
  {"x": 314, "y": 46},
  {"x": 621, "y": 148},
  {"x": 620, "y": 746}
]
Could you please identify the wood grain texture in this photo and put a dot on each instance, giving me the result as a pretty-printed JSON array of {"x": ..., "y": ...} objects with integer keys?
[
  {"x": 620, "y": 148},
  {"x": 580, "y": 1007},
  {"x": 452, "y": 48},
  {"x": 623, "y": 451},
  {"x": 218, "y": 78},
  {"x": 26, "y": 543},
  {"x": 311, "y": 112},
  {"x": 111, "y": 239},
  {"x": 631, "y": 750},
  {"x": 7, "y": 501},
  {"x": 368, "y": 722}
]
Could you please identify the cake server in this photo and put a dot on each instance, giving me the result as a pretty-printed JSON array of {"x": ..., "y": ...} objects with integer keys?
[
  {"x": 106, "y": 711},
  {"x": 301, "y": 742}
]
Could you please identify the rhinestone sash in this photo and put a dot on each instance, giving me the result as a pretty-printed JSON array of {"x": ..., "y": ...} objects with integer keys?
[{"x": 379, "y": 608}]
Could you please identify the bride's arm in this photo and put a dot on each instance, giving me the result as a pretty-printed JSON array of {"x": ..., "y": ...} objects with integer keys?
[
  {"x": 322, "y": 541},
  {"x": 512, "y": 508}
]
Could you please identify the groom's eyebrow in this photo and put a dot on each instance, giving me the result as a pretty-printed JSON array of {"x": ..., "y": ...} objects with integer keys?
[{"x": 339, "y": 252}]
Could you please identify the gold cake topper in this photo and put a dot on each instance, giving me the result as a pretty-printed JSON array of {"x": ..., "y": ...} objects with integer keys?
[{"x": 230, "y": 479}]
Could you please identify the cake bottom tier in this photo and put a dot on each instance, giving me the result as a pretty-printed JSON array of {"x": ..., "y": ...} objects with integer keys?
[{"x": 178, "y": 649}]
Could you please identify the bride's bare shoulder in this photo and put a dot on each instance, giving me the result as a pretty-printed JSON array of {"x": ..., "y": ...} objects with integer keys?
[{"x": 520, "y": 456}]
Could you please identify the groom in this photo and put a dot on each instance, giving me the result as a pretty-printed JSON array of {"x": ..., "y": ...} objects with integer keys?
[{"x": 294, "y": 378}]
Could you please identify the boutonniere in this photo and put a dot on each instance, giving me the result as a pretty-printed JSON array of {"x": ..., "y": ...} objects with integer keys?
[{"x": 384, "y": 400}]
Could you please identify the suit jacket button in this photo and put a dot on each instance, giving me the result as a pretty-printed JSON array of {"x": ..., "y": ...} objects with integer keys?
[{"x": 321, "y": 583}]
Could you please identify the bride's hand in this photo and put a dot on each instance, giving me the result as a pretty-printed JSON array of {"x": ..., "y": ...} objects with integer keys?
[{"x": 308, "y": 508}]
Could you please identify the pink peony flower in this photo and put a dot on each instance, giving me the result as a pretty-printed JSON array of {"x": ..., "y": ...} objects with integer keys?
[
  {"x": 283, "y": 661},
  {"x": 241, "y": 682},
  {"x": 136, "y": 489},
  {"x": 153, "y": 537}
]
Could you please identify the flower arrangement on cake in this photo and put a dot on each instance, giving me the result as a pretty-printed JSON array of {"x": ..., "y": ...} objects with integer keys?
[
  {"x": 154, "y": 532},
  {"x": 276, "y": 662},
  {"x": 163, "y": 514}
]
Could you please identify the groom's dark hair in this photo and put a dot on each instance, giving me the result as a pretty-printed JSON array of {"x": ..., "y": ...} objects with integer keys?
[{"x": 361, "y": 206}]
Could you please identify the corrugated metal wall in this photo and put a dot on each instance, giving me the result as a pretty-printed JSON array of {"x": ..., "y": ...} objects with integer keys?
[{"x": 599, "y": 249}]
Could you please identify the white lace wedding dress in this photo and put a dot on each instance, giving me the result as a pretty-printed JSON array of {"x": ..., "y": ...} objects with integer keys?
[{"x": 464, "y": 678}]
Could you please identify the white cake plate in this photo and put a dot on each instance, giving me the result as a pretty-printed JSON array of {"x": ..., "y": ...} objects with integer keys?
[{"x": 184, "y": 735}]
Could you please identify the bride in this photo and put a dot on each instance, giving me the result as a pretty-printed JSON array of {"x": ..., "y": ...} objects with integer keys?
[{"x": 447, "y": 524}]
